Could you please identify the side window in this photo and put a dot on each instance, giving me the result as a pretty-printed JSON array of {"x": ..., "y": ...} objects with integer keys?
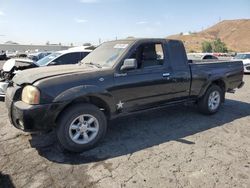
[
  {"x": 247, "y": 56},
  {"x": 148, "y": 55},
  {"x": 70, "y": 58},
  {"x": 159, "y": 53},
  {"x": 207, "y": 57}
]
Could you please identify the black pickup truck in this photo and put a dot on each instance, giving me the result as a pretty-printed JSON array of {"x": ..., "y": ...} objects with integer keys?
[{"x": 118, "y": 78}]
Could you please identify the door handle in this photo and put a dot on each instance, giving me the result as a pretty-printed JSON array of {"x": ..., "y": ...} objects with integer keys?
[{"x": 166, "y": 74}]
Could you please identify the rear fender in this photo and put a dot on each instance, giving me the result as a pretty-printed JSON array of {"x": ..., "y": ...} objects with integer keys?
[{"x": 209, "y": 83}]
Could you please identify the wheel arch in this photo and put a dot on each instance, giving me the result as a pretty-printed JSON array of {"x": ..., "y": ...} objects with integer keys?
[
  {"x": 89, "y": 99},
  {"x": 219, "y": 82}
]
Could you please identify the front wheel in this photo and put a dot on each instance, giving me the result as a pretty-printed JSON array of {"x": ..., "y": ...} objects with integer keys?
[
  {"x": 81, "y": 127},
  {"x": 211, "y": 101}
]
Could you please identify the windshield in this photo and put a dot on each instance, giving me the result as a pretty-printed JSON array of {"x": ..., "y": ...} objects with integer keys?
[
  {"x": 107, "y": 54},
  {"x": 242, "y": 56},
  {"x": 44, "y": 61}
]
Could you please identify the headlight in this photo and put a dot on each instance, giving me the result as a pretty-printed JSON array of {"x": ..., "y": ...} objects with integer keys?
[{"x": 31, "y": 95}]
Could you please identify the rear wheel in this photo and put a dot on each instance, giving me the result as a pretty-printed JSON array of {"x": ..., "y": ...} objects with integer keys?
[
  {"x": 81, "y": 127},
  {"x": 211, "y": 101}
]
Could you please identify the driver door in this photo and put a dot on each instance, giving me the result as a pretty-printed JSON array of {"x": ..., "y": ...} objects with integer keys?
[{"x": 146, "y": 86}]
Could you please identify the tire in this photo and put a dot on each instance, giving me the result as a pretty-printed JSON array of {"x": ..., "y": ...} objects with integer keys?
[
  {"x": 207, "y": 106},
  {"x": 73, "y": 123}
]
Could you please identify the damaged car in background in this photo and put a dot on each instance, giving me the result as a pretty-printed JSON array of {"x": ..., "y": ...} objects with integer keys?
[
  {"x": 38, "y": 55},
  {"x": 14, "y": 66}
]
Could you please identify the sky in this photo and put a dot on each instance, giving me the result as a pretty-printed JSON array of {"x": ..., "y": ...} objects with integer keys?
[{"x": 81, "y": 21}]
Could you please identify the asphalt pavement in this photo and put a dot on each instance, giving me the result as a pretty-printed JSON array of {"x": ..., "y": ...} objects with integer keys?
[{"x": 173, "y": 147}]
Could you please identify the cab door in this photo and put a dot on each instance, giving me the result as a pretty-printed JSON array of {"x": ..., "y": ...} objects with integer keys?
[{"x": 146, "y": 86}]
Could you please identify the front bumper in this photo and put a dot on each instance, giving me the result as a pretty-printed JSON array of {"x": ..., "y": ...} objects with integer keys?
[{"x": 32, "y": 118}]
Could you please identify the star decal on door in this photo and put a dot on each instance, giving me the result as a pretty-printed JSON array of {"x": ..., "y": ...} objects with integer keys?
[{"x": 120, "y": 105}]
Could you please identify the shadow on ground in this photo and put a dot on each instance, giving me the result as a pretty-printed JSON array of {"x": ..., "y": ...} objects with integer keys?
[{"x": 134, "y": 133}]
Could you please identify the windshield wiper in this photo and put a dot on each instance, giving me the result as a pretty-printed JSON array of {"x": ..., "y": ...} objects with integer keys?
[{"x": 94, "y": 64}]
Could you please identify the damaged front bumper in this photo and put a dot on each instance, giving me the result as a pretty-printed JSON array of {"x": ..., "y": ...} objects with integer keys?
[{"x": 31, "y": 118}]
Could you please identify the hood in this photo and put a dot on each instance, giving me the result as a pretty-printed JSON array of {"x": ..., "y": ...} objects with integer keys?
[
  {"x": 30, "y": 76},
  {"x": 9, "y": 64}
]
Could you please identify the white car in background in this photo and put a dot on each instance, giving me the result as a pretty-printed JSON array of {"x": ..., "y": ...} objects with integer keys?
[
  {"x": 245, "y": 58},
  {"x": 201, "y": 56}
]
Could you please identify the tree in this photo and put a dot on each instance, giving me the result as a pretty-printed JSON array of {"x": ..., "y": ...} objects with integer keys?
[
  {"x": 219, "y": 46},
  {"x": 207, "y": 47},
  {"x": 215, "y": 46}
]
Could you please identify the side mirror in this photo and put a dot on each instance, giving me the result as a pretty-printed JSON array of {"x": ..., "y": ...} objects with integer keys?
[{"x": 129, "y": 64}]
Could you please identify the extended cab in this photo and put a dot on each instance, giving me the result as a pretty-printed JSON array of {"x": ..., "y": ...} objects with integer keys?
[{"x": 118, "y": 78}]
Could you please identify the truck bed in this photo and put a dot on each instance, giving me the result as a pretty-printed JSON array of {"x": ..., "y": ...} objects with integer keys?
[{"x": 204, "y": 72}]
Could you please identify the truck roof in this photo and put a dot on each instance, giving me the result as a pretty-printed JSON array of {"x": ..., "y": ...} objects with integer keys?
[{"x": 143, "y": 39}]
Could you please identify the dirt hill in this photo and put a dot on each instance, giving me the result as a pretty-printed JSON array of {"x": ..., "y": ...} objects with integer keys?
[{"x": 235, "y": 33}]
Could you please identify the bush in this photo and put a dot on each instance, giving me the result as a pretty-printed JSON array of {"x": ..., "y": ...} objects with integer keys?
[
  {"x": 214, "y": 46},
  {"x": 192, "y": 51},
  {"x": 219, "y": 46},
  {"x": 207, "y": 47}
]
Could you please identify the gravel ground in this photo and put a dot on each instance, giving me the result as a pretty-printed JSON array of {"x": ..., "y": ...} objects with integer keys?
[{"x": 175, "y": 147}]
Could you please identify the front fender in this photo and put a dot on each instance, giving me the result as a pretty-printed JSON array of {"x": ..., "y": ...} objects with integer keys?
[
  {"x": 80, "y": 91},
  {"x": 87, "y": 91}
]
